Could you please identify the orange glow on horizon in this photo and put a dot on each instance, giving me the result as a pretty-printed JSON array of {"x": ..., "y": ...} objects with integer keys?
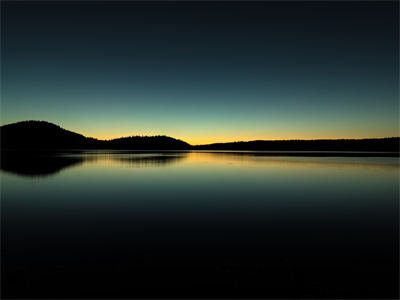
[{"x": 200, "y": 140}]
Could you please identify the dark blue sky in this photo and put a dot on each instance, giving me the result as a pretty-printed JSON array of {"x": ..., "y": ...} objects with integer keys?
[{"x": 205, "y": 71}]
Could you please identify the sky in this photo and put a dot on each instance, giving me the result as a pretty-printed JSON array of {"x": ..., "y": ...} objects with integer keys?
[{"x": 203, "y": 72}]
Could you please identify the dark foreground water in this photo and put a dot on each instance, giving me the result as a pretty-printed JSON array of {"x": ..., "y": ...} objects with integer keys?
[{"x": 115, "y": 224}]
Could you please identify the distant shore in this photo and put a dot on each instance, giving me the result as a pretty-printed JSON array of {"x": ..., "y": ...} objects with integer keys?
[{"x": 41, "y": 135}]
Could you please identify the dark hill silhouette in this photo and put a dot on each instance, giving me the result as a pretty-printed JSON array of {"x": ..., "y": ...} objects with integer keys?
[
  {"x": 40, "y": 135},
  {"x": 359, "y": 145},
  {"x": 45, "y": 135},
  {"x": 148, "y": 142}
]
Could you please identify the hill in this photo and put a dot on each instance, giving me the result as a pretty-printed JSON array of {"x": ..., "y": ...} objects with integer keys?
[
  {"x": 39, "y": 135},
  {"x": 148, "y": 143},
  {"x": 363, "y": 145},
  {"x": 43, "y": 135}
]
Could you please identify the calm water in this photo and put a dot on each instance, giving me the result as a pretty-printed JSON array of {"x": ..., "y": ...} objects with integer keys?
[{"x": 119, "y": 224}]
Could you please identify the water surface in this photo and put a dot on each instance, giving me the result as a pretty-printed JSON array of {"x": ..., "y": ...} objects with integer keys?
[{"x": 199, "y": 224}]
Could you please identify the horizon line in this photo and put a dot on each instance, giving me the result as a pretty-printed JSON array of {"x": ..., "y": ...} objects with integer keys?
[{"x": 211, "y": 143}]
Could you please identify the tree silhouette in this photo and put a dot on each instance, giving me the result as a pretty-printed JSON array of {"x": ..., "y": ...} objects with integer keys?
[{"x": 28, "y": 135}]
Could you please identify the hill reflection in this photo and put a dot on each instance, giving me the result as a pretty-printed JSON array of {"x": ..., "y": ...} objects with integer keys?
[
  {"x": 46, "y": 164},
  {"x": 39, "y": 164},
  {"x": 134, "y": 159},
  {"x": 36, "y": 164}
]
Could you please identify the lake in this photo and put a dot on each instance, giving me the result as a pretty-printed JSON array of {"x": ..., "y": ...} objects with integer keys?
[{"x": 120, "y": 224}]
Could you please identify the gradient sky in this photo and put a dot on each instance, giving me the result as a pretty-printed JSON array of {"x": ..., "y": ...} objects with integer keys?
[{"x": 204, "y": 72}]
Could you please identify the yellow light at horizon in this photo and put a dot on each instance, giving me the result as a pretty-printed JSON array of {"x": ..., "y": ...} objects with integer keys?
[{"x": 228, "y": 139}]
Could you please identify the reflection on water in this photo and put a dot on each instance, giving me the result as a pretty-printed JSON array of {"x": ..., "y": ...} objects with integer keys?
[
  {"x": 199, "y": 224},
  {"x": 32, "y": 165},
  {"x": 43, "y": 164}
]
